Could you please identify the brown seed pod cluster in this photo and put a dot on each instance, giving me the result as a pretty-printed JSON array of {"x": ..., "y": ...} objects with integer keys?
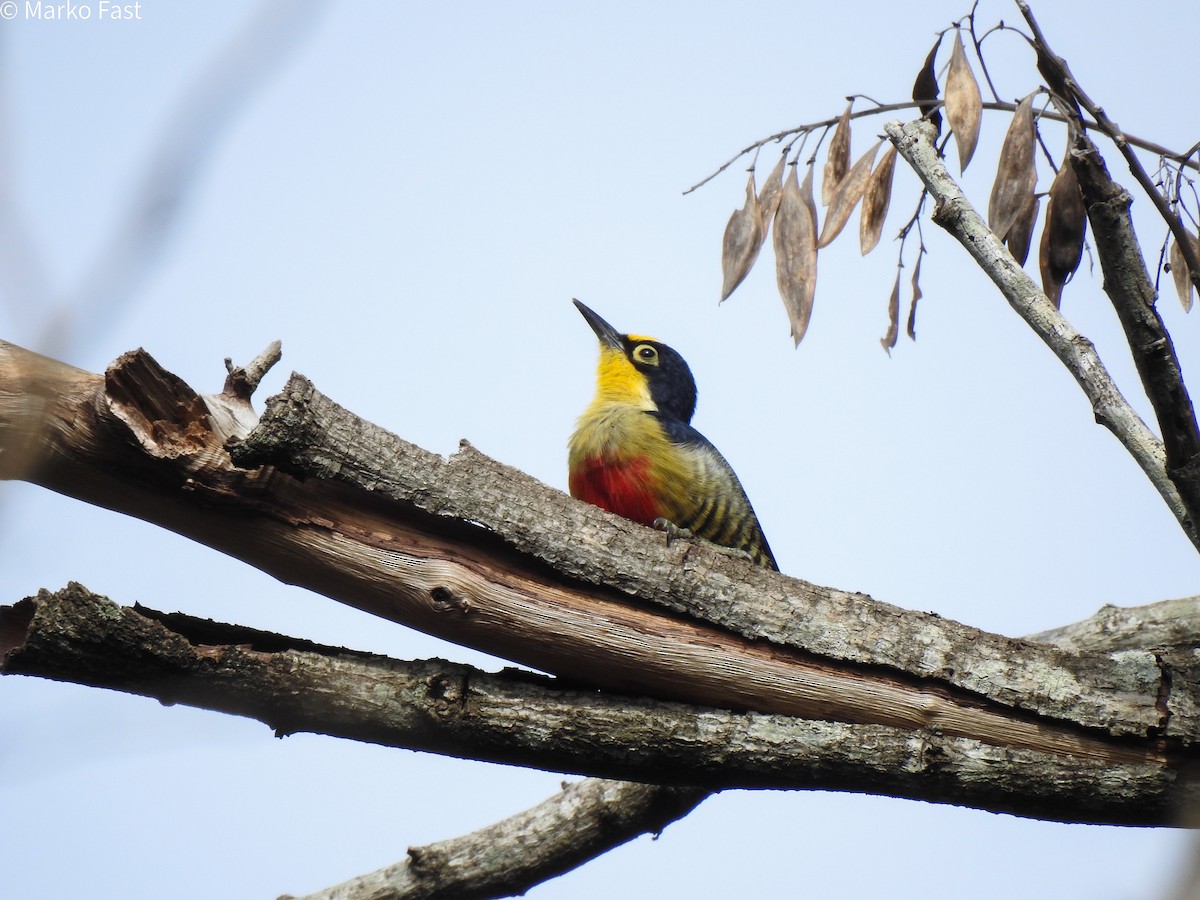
[{"x": 1013, "y": 206}]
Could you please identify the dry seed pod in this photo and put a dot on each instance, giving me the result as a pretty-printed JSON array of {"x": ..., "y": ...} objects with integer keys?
[
  {"x": 916, "y": 295},
  {"x": 889, "y": 340},
  {"x": 1020, "y": 235},
  {"x": 838, "y": 161},
  {"x": 964, "y": 104},
  {"x": 743, "y": 238},
  {"x": 1016, "y": 175},
  {"x": 768, "y": 197},
  {"x": 926, "y": 87},
  {"x": 796, "y": 250},
  {"x": 876, "y": 200},
  {"x": 848, "y": 194},
  {"x": 1180, "y": 273},
  {"x": 1062, "y": 235}
]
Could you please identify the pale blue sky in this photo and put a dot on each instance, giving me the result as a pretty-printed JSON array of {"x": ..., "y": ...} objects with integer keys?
[{"x": 410, "y": 203}]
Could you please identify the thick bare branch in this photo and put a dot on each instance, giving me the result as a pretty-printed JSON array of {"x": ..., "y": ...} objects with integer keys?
[
  {"x": 483, "y": 555},
  {"x": 955, "y": 213},
  {"x": 305, "y": 433},
  {"x": 517, "y": 718}
]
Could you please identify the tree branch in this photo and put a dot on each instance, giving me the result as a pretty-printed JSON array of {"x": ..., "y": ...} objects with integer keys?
[
  {"x": 1062, "y": 80},
  {"x": 1168, "y": 624},
  {"x": 995, "y": 105},
  {"x": 520, "y": 719},
  {"x": 511, "y": 856},
  {"x": 483, "y": 555},
  {"x": 1132, "y": 293},
  {"x": 955, "y": 213},
  {"x": 306, "y": 434}
]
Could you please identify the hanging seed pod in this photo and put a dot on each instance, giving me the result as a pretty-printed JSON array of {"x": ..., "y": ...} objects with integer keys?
[
  {"x": 1063, "y": 233},
  {"x": 848, "y": 194},
  {"x": 796, "y": 251},
  {"x": 916, "y": 295},
  {"x": 876, "y": 200},
  {"x": 889, "y": 340},
  {"x": 926, "y": 87},
  {"x": 838, "y": 161},
  {"x": 1016, "y": 175},
  {"x": 743, "y": 238},
  {"x": 964, "y": 104},
  {"x": 768, "y": 197},
  {"x": 1020, "y": 235},
  {"x": 1180, "y": 273}
]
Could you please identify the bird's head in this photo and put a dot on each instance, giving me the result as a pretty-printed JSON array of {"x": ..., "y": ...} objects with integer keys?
[{"x": 640, "y": 370}]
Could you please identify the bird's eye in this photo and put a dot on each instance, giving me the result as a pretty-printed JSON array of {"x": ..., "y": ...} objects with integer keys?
[{"x": 645, "y": 354}]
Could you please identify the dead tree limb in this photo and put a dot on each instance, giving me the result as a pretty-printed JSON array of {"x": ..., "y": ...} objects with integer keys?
[
  {"x": 1168, "y": 624},
  {"x": 1131, "y": 290},
  {"x": 518, "y": 718},
  {"x": 511, "y": 856},
  {"x": 483, "y": 555}
]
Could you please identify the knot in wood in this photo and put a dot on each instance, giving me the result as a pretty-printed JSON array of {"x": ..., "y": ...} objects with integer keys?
[
  {"x": 448, "y": 692},
  {"x": 445, "y": 600}
]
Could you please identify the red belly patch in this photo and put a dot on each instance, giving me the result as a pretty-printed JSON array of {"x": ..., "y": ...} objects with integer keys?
[{"x": 620, "y": 486}]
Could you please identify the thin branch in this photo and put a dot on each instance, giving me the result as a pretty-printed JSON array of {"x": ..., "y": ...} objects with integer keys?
[
  {"x": 978, "y": 44},
  {"x": 243, "y": 381},
  {"x": 506, "y": 859},
  {"x": 1149, "y": 146},
  {"x": 955, "y": 213},
  {"x": 1124, "y": 142}
]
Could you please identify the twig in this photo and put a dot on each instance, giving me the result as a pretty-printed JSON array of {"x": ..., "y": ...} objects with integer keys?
[
  {"x": 978, "y": 43},
  {"x": 242, "y": 381},
  {"x": 1123, "y": 141},
  {"x": 1000, "y": 106}
]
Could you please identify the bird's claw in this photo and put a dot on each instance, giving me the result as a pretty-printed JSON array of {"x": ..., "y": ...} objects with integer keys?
[{"x": 673, "y": 532}]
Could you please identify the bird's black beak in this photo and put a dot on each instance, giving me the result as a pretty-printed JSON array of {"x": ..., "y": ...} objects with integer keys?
[{"x": 609, "y": 336}]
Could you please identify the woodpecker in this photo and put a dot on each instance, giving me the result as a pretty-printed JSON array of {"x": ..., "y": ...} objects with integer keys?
[{"x": 635, "y": 453}]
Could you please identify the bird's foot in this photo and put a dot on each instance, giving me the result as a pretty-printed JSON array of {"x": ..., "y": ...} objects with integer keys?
[{"x": 673, "y": 532}]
